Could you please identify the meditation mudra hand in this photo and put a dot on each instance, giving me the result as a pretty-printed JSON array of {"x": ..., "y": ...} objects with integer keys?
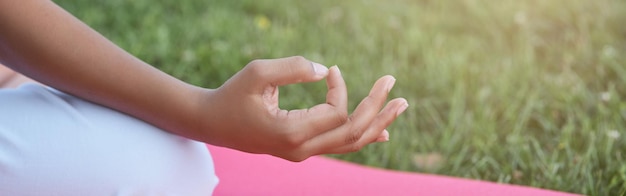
[
  {"x": 101, "y": 120},
  {"x": 244, "y": 112}
]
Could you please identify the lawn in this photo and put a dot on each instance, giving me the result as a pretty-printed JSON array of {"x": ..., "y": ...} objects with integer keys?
[{"x": 520, "y": 92}]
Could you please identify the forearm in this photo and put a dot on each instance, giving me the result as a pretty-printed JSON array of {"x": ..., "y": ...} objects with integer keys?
[{"x": 42, "y": 41}]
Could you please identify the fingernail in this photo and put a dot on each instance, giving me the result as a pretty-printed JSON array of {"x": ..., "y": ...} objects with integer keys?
[
  {"x": 402, "y": 108},
  {"x": 390, "y": 84},
  {"x": 384, "y": 137},
  {"x": 320, "y": 70},
  {"x": 337, "y": 67}
]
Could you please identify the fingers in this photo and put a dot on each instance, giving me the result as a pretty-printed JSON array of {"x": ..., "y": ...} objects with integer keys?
[
  {"x": 383, "y": 137},
  {"x": 337, "y": 91},
  {"x": 335, "y": 111},
  {"x": 369, "y": 107},
  {"x": 377, "y": 127},
  {"x": 324, "y": 117},
  {"x": 325, "y": 128},
  {"x": 307, "y": 123},
  {"x": 290, "y": 70},
  {"x": 366, "y": 123}
]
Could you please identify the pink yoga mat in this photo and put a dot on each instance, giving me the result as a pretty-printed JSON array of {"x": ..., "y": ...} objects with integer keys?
[{"x": 250, "y": 174}]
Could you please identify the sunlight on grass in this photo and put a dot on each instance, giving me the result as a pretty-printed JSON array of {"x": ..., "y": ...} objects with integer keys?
[{"x": 521, "y": 92}]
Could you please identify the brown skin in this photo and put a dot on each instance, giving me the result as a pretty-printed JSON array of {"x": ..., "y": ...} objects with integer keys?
[
  {"x": 42, "y": 41},
  {"x": 11, "y": 79}
]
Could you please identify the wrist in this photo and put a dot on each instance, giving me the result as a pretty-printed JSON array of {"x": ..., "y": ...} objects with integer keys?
[{"x": 200, "y": 114}]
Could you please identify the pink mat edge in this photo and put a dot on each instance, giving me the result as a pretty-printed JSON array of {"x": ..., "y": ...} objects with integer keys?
[{"x": 326, "y": 176}]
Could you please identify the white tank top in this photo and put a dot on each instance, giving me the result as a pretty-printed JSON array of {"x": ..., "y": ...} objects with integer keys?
[{"x": 52, "y": 143}]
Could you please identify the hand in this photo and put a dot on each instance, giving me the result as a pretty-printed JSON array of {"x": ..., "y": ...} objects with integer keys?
[{"x": 243, "y": 113}]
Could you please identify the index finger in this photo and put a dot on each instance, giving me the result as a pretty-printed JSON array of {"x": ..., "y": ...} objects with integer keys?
[{"x": 324, "y": 117}]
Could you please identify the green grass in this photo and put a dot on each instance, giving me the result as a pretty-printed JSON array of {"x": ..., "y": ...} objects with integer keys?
[{"x": 521, "y": 92}]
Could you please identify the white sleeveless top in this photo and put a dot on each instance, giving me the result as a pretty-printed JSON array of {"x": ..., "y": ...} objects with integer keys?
[{"x": 52, "y": 143}]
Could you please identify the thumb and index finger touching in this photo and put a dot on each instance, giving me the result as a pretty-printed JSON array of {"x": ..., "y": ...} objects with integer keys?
[{"x": 319, "y": 118}]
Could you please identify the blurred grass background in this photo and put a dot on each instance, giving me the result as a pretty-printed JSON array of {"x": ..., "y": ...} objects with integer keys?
[{"x": 523, "y": 92}]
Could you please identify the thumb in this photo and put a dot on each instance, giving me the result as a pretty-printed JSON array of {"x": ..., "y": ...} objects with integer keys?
[{"x": 289, "y": 70}]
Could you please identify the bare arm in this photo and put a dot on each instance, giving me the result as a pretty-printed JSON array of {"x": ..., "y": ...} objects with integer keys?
[{"x": 41, "y": 40}]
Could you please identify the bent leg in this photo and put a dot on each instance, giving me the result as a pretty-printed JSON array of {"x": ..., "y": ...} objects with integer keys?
[{"x": 52, "y": 143}]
